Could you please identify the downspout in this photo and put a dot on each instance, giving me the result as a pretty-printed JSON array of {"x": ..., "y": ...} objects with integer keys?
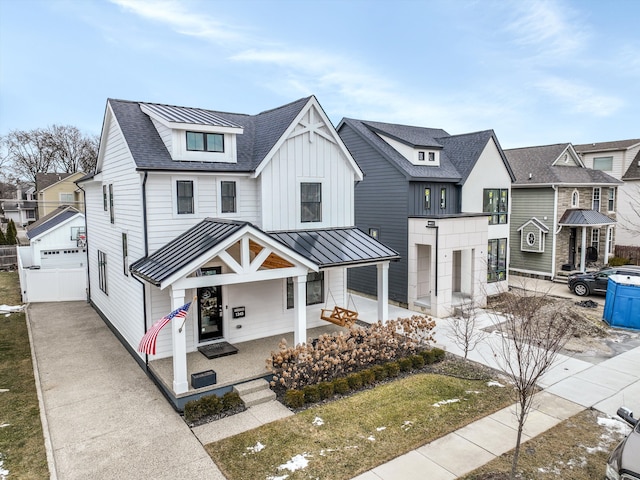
[
  {"x": 86, "y": 232},
  {"x": 146, "y": 253},
  {"x": 555, "y": 233}
]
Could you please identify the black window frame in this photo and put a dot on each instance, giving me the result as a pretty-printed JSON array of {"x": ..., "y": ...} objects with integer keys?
[
  {"x": 105, "y": 198},
  {"x": 125, "y": 254},
  {"x": 443, "y": 198},
  {"x": 427, "y": 198},
  {"x": 496, "y": 202},
  {"x": 225, "y": 198},
  {"x": 112, "y": 213},
  {"x": 205, "y": 142},
  {"x": 102, "y": 272},
  {"x": 310, "y": 210},
  {"x": 179, "y": 197},
  {"x": 496, "y": 260},
  {"x": 313, "y": 279}
]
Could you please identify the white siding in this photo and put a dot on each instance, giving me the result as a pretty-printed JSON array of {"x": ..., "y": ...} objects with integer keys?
[
  {"x": 306, "y": 157},
  {"x": 165, "y": 134},
  {"x": 123, "y": 305}
]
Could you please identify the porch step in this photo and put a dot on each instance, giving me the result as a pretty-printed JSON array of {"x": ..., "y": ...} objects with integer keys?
[{"x": 255, "y": 392}]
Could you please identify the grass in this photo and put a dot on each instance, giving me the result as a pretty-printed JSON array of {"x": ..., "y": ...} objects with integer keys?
[
  {"x": 361, "y": 431},
  {"x": 22, "y": 449},
  {"x": 576, "y": 449}
]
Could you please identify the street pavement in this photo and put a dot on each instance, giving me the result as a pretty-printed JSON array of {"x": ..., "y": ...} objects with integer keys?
[{"x": 103, "y": 418}]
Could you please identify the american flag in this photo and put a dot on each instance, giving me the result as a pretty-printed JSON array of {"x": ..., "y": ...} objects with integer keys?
[{"x": 148, "y": 343}]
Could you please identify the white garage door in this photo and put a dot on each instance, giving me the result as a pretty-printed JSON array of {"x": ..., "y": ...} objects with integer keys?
[{"x": 71, "y": 258}]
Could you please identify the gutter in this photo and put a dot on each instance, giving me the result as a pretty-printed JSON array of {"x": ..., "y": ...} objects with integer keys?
[
  {"x": 146, "y": 251},
  {"x": 86, "y": 232}
]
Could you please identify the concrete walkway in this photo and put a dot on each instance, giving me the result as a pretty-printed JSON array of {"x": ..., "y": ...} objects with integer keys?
[{"x": 103, "y": 417}]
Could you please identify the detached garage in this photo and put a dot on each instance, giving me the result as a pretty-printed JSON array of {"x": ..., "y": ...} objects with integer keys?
[{"x": 622, "y": 303}]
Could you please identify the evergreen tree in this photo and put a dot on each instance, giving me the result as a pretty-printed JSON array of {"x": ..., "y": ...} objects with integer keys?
[
  {"x": 11, "y": 236},
  {"x": 3, "y": 240}
]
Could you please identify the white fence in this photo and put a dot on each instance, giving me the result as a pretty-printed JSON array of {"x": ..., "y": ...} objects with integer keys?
[{"x": 52, "y": 284}]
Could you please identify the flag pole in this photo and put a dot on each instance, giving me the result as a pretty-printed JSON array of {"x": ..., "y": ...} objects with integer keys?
[{"x": 195, "y": 297}]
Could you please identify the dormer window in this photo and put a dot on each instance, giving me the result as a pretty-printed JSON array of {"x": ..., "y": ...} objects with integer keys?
[
  {"x": 205, "y": 142},
  {"x": 432, "y": 156},
  {"x": 421, "y": 156}
]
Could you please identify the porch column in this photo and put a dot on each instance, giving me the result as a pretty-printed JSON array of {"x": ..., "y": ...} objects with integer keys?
[
  {"x": 383, "y": 291},
  {"x": 606, "y": 244},
  {"x": 179, "y": 340},
  {"x": 583, "y": 253},
  {"x": 300, "y": 301}
]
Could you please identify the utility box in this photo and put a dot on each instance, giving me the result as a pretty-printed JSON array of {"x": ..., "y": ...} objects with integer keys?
[
  {"x": 203, "y": 379},
  {"x": 622, "y": 303}
]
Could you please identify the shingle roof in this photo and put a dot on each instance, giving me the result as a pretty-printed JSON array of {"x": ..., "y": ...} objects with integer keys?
[
  {"x": 534, "y": 166},
  {"x": 574, "y": 217},
  {"x": 604, "y": 146},
  {"x": 51, "y": 220},
  {"x": 342, "y": 246},
  {"x": 44, "y": 180},
  {"x": 458, "y": 153},
  {"x": 633, "y": 172},
  {"x": 260, "y": 134},
  {"x": 537, "y": 223}
]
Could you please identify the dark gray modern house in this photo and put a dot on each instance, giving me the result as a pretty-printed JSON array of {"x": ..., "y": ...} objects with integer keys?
[{"x": 442, "y": 202}]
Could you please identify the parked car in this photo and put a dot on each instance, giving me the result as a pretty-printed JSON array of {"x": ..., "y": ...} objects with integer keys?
[
  {"x": 624, "y": 460},
  {"x": 584, "y": 284}
]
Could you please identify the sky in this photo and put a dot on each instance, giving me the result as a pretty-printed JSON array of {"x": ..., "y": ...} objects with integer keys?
[{"x": 536, "y": 72}]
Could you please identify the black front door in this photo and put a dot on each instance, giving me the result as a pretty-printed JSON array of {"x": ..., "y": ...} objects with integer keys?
[
  {"x": 210, "y": 309},
  {"x": 572, "y": 248}
]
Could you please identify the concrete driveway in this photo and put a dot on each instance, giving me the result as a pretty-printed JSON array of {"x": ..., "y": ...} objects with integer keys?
[{"x": 103, "y": 417}]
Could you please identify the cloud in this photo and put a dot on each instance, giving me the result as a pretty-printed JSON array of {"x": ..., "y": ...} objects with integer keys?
[{"x": 580, "y": 98}]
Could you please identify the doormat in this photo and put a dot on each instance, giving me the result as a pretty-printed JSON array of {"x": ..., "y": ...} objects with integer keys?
[{"x": 215, "y": 350}]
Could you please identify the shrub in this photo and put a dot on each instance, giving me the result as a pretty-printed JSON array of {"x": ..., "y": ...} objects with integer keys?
[
  {"x": 355, "y": 381},
  {"x": 618, "y": 261},
  {"x": 202, "y": 407},
  {"x": 392, "y": 369},
  {"x": 294, "y": 398},
  {"x": 405, "y": 364},
  {"x": 429, "y": 356},
  {"x": 439, "y": 354},
  {"x": 417, "y": 361},
  {"x": 325, "y": 389},
  {"x": 379, "y": 372},
  {"x": 340, "y": 386},
  {"x": 368, "y": 376},
  {"x": 311, "y": 393},
  {"x": 231, "y": 400}
]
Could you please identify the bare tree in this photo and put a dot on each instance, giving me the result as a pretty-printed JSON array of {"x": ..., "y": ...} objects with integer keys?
[
  {"x": 530, "y": 338},
  {"x": 29, "y": 152},
  {"x": 632, "y": 220},
  {"x": 74, "y": 151},
  {"x": 465, "y": 331}
]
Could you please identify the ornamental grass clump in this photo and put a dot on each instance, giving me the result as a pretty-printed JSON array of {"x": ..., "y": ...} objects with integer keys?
[{"x": 339, "y": 354}]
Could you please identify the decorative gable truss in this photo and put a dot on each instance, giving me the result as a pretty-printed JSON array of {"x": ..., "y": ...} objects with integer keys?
[
  {"x": 532, "y": 236},
  {"x": 568, "y": 158}
]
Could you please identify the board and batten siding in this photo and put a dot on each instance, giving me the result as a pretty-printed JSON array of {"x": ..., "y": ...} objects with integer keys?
[
  {"x": 123, "y": 304},
  {"x": 163, "y": 221},
  {"x": 527, "y": 203},
  {"x": 381, "y": 202},
  {"x": 306, "y": 158}
]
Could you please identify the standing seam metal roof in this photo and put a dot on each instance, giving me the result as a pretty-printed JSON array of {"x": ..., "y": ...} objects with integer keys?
[{"x": 578, "y": 217}]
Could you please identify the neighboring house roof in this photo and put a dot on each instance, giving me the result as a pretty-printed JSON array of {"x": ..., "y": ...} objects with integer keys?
[
  {"x": 260, "y": 134},
  {"x": 633, "y": 172},
  {"x": 22, "y": 205},
  {"x": 45, "y": 180},
  {"x": 606, "y": 146},
  {"x": 458, "y": 153},
  {"x": 536, "y": 166},
  {"x": 577, "y": 217},
  {"x": 58, "y": 216},
  {"x": 345, "y": 246}
]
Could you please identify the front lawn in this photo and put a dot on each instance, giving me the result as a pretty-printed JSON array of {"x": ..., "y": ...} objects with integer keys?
[
  {"x": 22, "y": 450},
  {"x": 344, "y": 438}
]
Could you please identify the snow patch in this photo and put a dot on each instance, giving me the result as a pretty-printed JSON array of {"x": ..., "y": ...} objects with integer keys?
[
  {"x": 379, "y": 429},
  {"x": 256, "y": 448},
  {"x": 4, "y": 390},
  {"x": 298, "y": 462},
  {"x": 407, "y": 425},
  {"x": 10, "y": 309},
  {"x": 445, "y": 402},
  {"x": 4, "y": 425},
  {"x": 318, "y": 422},
  {"x": 493, "y": 383},
  {"x": 472, "y": 391},
  {"x": 3, "y": 472},
  {"x": 371, "y": 438}
]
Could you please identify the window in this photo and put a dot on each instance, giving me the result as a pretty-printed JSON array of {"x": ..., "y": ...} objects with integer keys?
[
  {"x": 496, "y": 202},
  {"x": 612, "y": 199},
  {"x": 432, "y": 156},
  {"x": 421, "y": 156},
  {"x": 610, "y": 239},
  {"x": 228, "y": 196},
  {"x": 205, "y": 142},
  {"x": 102, "y": 271},
  {"x": 125, "y": 255},
  {"x": 443, "y": 198},
  {"x": 31, "y": 214},
  {"x": 374, "y": 232},
  {"x": 427, "y": 198},
  {"x": 595, "y": 238},
  {"x": 575, "y": 199},
  {"x": 112, "y": 217},
  {"x": 595, "y": 204},
  {"x": 497, "y": 260},
  {"x": 315, "y": 289},
  {"x": 184, "y": 194},
  {"x": 105, "y": 203},
  {"x": 76, "y": 232},
  {"x": 603, "y": 163},
  {"x": 531, "y": 239},
  {"x": 311, "y": 202},
  {"x": 67, "y": 198}
]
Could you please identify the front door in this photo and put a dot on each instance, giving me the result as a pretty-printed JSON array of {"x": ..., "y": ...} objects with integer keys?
[
  {"x": 210, "y": 309},
  {"x": 572, "y": 248}
]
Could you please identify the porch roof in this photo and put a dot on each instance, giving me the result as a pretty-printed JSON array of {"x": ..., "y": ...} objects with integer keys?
[
  {"x": 575, "y": 217},
  {"x": 324, "y": 248}
]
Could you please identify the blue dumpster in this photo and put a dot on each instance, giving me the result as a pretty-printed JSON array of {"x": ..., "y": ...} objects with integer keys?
[{"x": 622, "y": 303}]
